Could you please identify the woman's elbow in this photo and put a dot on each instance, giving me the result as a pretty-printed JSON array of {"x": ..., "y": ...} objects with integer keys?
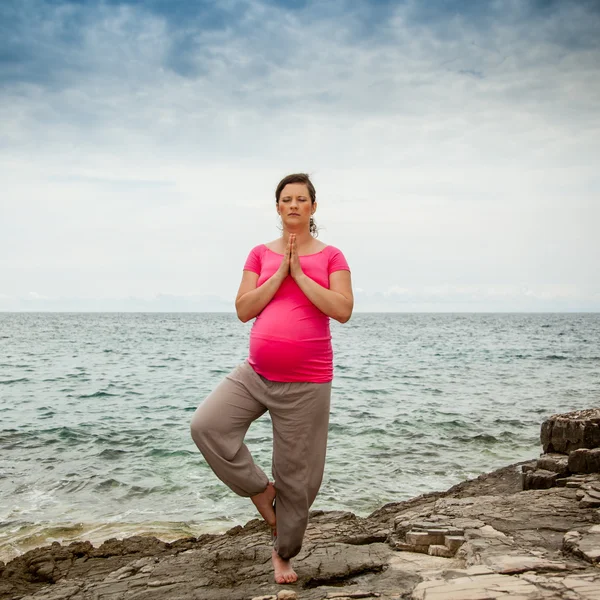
[
  {"x": 241, "y": 314},
  {"x": 344, "y": 316},
  {"x": 243, "y": 317}
]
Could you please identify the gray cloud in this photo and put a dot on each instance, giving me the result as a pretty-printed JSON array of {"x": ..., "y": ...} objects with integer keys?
[{"x": 451, "y": 143}]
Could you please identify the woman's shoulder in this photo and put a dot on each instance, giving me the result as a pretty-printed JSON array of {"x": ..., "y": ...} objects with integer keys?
[
  {"x": 274, "y": 246},
  {"x": 320, "y": 246},
  {"x": 336, "y": 260},
  {"x": 329, "y": 249},
  {"x": 258, "y": 249}
]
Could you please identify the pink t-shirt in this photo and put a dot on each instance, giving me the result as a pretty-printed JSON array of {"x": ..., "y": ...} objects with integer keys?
[{"x": 290, "y": 339}]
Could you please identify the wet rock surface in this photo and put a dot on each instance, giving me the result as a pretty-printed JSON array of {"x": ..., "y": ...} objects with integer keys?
[{"x": 486, "y": 538}]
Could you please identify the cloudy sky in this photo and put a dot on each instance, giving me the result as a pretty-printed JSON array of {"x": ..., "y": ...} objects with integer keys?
[{"x": 454, "y": 147}]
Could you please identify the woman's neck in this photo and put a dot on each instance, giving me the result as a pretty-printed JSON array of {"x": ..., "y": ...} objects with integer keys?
[{"x": 303, "y": 238}]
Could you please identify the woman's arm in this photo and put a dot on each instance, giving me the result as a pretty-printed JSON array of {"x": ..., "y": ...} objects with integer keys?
[
  {"x": 251, "y": 300},
  {"x": 336, "y": 302}
]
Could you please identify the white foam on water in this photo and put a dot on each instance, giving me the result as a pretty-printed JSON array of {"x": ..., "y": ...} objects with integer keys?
[{"x": 18, "y": 539}]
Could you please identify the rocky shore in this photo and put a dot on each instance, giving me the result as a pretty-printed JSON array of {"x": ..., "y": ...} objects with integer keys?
[{"x": 497, "y": 536}]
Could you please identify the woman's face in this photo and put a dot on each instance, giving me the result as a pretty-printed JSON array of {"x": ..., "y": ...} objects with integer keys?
[{"x": 295, "y": 206}]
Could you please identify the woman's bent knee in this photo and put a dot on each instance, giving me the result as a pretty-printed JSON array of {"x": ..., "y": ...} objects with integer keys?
[{"x": 200, "y": 428}]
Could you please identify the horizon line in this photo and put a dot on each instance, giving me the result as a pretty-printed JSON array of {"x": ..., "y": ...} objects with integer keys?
[{"x": 364, "y": 312}]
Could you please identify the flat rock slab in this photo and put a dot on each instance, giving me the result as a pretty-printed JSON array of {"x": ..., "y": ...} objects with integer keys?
[
  {"x": 557, "y": 463},
  {"x": 479, "y": 587},
  {"x": 512, "y": 564},
  {"x": 589, "y": 501},
  {"x": 584, "y": 544},
  {"x": 591, "y": 491},
  {"x": 485, "y": 586},
  {"x": 582, "y": 586},
  {"x": 352, "y": 595},
  {"x": 535, "y": 511}
]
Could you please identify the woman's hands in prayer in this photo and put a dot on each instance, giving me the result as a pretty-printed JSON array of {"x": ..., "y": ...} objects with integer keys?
[
  {"x": 295, "y": 269},
  {"x": 284, "y": 267},
  {"x": 290, "y": 263}
]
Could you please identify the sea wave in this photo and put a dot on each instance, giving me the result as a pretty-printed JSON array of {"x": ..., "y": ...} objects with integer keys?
[{"x": 99, "y": 394}]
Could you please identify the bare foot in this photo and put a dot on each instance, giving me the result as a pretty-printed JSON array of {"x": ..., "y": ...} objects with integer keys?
[
  {"x": 264, "y": 504},
  {"x": 283, "y": 570}
]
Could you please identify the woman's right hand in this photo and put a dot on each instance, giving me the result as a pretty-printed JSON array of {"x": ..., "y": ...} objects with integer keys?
[
  {"x": 284, "y": 267},
  {"x": 250, "y": 299}
]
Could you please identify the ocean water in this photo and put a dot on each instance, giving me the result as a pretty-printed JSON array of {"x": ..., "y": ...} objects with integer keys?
[{"x": 95, "y": 411}]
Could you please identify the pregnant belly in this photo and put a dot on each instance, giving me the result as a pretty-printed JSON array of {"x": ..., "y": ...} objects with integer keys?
[{"x": 291, "y": 360}]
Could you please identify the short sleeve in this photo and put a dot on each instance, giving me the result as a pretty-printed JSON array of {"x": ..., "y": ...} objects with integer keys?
[
  {"x": 253, "y": 262},
  {"x": 337, "y": 261}
]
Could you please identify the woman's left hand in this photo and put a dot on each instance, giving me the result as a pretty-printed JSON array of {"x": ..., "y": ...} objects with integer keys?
[{"x": 295, "y": 269}]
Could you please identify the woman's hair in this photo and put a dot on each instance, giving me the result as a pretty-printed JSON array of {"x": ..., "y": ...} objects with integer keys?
[{"x": 305, "y": 179}]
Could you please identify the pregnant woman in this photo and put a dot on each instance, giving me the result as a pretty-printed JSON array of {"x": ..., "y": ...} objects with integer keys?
[{"x": 293, "y": 286}]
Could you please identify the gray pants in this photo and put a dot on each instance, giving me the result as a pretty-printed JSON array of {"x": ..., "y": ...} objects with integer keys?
[{"x": 300, "y": 416}]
